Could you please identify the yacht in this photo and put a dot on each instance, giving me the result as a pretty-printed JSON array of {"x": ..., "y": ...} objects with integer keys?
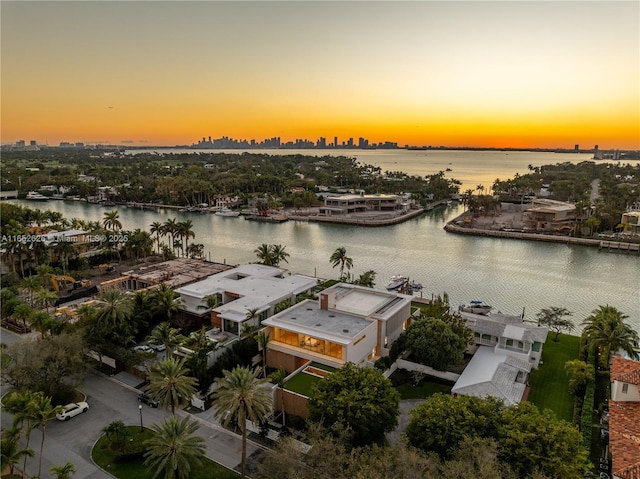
[
  {"x": 224, "y": 211},
  {"x": 34, "y": 195},
  {"x": 396, "y": 282}
]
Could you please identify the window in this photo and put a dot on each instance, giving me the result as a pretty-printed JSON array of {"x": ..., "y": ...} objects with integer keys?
[{"x": 625, "y": 388}]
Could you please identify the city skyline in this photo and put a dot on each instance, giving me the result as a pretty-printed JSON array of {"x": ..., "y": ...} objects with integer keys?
[{"x": 473, "y": 74}]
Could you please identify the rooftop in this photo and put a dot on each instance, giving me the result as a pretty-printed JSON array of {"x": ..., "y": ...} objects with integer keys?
[
  {"x": 624, "y": 423},
  {"x": 176, "y": 273},
  {"x": 308, "y": 318}
]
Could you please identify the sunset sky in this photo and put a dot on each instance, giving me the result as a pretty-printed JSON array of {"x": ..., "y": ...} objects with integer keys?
[{"x": 511, "y": 73}]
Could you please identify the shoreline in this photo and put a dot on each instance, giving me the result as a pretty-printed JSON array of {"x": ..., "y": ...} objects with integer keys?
[{"x": 479, "y": 229}]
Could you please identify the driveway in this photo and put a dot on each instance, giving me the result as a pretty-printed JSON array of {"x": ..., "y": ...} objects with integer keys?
[
  {"x": 111, "y": 400},
  {"x": 396, "y": 436}
]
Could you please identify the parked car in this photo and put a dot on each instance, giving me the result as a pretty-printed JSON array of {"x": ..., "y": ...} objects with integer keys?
[
  {"x": 71, "y": 410},
  {"x": 150, "y": 401},
  {"x": 159, "y": 347},
  {"x": 144, "y": 348}
]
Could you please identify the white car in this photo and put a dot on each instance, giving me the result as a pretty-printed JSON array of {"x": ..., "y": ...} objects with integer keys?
[
  {"x": 159, "y": 347},
  {"x": 72, "y": 409},
  {"x": 143, "y": 348}
]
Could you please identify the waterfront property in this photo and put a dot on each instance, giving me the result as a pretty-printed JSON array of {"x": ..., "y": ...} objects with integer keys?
[
  {"x": 545, "y": 215},
  {"x": 505, "y": 351},
  {"x": 624, "y": 418},
  {"x": 347, "y": 324},
  {"x": 254, "y": 288},
  {"x": 340, "y": 205}
]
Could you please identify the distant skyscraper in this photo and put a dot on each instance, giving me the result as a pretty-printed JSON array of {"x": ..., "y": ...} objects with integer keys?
[
  {"x": 335, "y": 141},
  {"x": 576, "y": 148}
]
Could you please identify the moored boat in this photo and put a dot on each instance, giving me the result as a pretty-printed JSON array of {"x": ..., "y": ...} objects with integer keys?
[
  {"x": 34, "y": 195},
  {"x": 396, "y": 282},
  {"x": 224, "y": 211},
  {"x": 476, "y": 307}
]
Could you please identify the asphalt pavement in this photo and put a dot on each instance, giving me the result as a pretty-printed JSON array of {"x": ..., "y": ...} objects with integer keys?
[{"x": 111, "y": 400}]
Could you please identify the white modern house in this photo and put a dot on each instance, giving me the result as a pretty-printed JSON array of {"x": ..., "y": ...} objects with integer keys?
[
  {"x": 250, "y": 287},
  {"x": 348, "y": 323},
  {"x": 505, "y": 351}
]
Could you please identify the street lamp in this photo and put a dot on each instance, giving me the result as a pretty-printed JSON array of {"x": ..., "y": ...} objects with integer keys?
[{"x": 140, "y": 409}]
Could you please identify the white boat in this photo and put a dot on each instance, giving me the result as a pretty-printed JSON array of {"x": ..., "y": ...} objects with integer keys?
[
  {"x": 396, "y": 282},
  {"x": 227, "y": 212},
  {"x": 34, "y": 195},
  {"x": 476, "y": 307}
]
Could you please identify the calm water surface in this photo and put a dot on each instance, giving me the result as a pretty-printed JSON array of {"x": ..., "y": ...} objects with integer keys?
[{"x": 511, "y": 275}]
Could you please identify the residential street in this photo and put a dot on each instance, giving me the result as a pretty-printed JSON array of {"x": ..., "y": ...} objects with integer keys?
[{"x": 110, "y": 400}]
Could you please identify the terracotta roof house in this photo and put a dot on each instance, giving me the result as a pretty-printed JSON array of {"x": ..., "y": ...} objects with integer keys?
[{"x": 624, "y": 418}]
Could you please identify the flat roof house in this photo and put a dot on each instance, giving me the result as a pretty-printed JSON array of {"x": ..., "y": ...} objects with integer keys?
[
  {"x": 349, "y": 204},
  {"x": 240, "y": 289},
  {"x": 348, "y": 323}
]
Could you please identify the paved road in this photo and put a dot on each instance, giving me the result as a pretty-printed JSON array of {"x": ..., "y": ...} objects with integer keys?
[{"x": 111, "y": 400}]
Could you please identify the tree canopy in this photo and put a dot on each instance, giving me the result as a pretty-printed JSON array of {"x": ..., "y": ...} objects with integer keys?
[{"x": 361, "y": 399}]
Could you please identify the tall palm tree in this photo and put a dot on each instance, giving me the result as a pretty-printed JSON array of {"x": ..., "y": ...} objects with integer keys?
[
  {"x": 167, "y": 336},
  {"x": 240, "y": 396},
  {"x": 45, "y": 298},
  {"x": 606, "y": 333},
  {"x": 31, "y": 284},
  {"x": 165, "y": 302},
  {"x": 63, "y": 472},
  {"x": 339, "y": 257},
  {"x": 170, "y": 383},
  {"x": 113, "y": 307},
  {"x": 170, "y": 229},
  {"x": 18, "y": 403},
  {"x": 10, "y": 452},
  {"x": 262, "y": 338},
  {"x": 186, "y": 231},
  {"x": 211, "y": 301},
  {"x": 158, "y": 230},
  {"x": 278, "y": 378},
  {"x": 43, "y": 411},
  {"x": 111, "y": 220},
  {"x": 173, "y": 450}
]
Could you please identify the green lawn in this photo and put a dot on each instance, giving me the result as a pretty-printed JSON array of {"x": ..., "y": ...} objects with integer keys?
[
  {"x": 550, "y": 383},
  {"x": 404, "y": 384},
  {"x": 302, "y": 383},
  {"x": 104, "y": 458}
]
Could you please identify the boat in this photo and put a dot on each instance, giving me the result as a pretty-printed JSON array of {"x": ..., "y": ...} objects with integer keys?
[
  {"x": 396, "y": 282},
  {"x": 267, "y": 218},
  {"x": 34, "y": 195},
  {"x": 416, "y": 286},
  {"x": 224, "y": 211},
  {"x": 476, "y": 307}
]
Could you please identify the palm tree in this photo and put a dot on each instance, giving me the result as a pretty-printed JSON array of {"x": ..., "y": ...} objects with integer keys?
[
  {"x": 339, "y": 257},
  {"x": 165, "y": 302},
  {"x": 170, "y": 383},
  {"x": 45, "y": 298},
  {"x": 111, "y": 220},
  {"x": 113, "y": 307},
  {"x": 44, "y": 273},
  {"x": 170, "y": 228},
  {"x": 186, "y": 231},
  {"x": 278, "y": 378},
  {"x": 43, "y": 411},
  {"x": 262, "y": 338},
  {"x": 173, "y": 450},
  {"x": 167, "y": 336},
  {"x": 41, "y": 321},
  {"x": 157, "y": 229},
  {"x": 22, "y": 312},
  {"x": 211, "y": 301},
  {"x": 240, "y": 396},
  {"x": 367, "y": 279},
  {"x": 606, "y": 332},
  {"x": 278, "y": 254},
  {"x": 263, "y": 252},
  {"x": 11, "y": 454},
  {"x": 63, "y": 472},
  {"x": 18, "y": 403},
  {"x": 32, "y": 284}
]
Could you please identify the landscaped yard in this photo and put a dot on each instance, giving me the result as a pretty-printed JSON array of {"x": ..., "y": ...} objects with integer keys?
[
  {"x": 302, "y": 383},
  {"x": 550, "y": 383},
  {"x": 104, "y": 458},
  {"x": 403, "y": 381}
]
